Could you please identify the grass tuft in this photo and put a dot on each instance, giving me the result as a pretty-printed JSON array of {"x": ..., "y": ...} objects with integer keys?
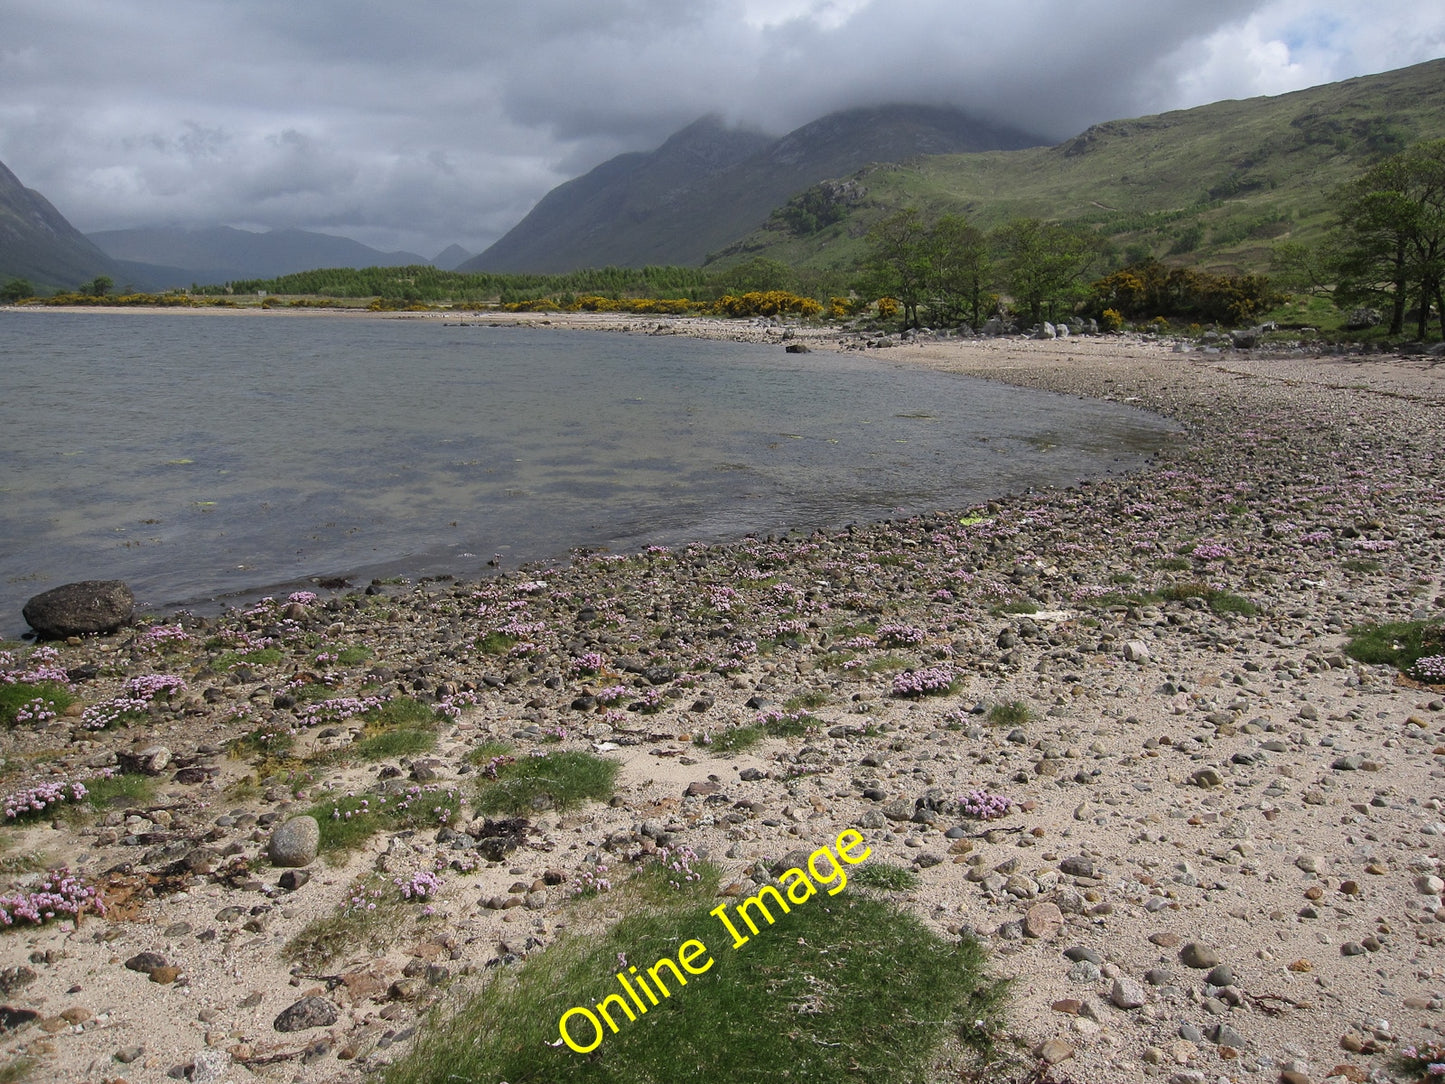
[
  {"x": 1012, "y": 713},
  {"x": 846, "y": 988},
  {"x": 552, "y": 781},
  {"x": 886, "y": 877},
  {"x": 1398, "y": 643}
]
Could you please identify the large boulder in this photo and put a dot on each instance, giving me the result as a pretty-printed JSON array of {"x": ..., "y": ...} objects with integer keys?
[
  {"x": 80, "y": 609},
  {"x": 1363, "y": 318},
  {"x": 295, "y": 843}
]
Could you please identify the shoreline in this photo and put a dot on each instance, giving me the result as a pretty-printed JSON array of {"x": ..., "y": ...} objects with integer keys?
[{"x": 1181, "y": 773}]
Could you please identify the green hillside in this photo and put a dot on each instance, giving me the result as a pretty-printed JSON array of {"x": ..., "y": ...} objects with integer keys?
[{"x": 1215, "y": 186}]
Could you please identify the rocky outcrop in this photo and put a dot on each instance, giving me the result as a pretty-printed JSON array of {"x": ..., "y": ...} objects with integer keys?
[{"x": 90, "y": 607}]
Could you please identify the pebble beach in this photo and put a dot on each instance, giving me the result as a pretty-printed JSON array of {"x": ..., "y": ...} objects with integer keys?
[{"x": 1112, "y": 728}]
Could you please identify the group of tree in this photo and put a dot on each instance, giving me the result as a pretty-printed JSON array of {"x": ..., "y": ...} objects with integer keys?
[
  {"x": 957, "y": 275},
  {"x": 1387, "y": 247}
]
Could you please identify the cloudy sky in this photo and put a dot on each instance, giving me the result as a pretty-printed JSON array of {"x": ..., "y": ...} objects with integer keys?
[{"x": 418, "y": 125}]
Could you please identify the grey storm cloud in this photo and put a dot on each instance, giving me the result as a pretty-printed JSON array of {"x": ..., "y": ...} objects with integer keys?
[{"x": 414, "y": 127}]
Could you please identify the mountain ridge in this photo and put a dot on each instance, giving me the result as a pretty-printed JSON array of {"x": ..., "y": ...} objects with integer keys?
[
  {"x": 707, "y": 184},
  {"x": 162, "y": 257},
  {"x": 38, "y": 243}
]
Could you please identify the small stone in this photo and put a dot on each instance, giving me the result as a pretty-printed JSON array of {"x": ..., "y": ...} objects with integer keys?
[
  {"x": 1207, "y": 778},
  {"x": 165, "y": 975},
  {"x": 127, "y": 1054},
  {"x": 210, "y": 1066},
  {"x": 145, "y": 962},
  {"x": 309, "y": 1012},
  {"x": 295, "y": 843},
  {"x": 293, "y": 879},
  {"x": 1293, "y": 1076},
  {"x": 1222, "y": 975},
  {"x": 1352, "y": 948},
  {"x": 1310, "y": 863},
  {"x": 1198, "y": 956},
  {"x": 1077, "y": 866},
  {"x": 1043, "y": 920},
  {"x": 1127, "y": 994},
  {"x": 1224, "y": 1035},
  {"x": 1136, "y": 651},
  {"x": 1164, "y": 939},
  {"x": 1068, "y": 1005},
  {"x": 1053, "y": 1051}
]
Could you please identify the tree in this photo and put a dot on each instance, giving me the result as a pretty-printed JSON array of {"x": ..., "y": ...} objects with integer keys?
[
  {"x": 1390, "y": 236},
  {"x": 1044, "y": 264},
  {"x": 962, "y": 272},
  {"x": 16, "y": 290},
  {"x": 100, "y": 285},
  {"x": 901, "y": 261}
]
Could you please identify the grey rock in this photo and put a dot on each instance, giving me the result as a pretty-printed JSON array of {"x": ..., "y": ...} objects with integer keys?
[
  {"x": 1225, "y": 1035},
  {"x": 295, "y": 843},
  {"x": 145, "y": 962},
  {"x": 1198, "y": 956},
  {"x": 1127, "y": 994},
  {"x": 1363, "y": 318},
  {"x": 1077, "y": 866},
  {"x": 210, "y": 1065},
  {"x": 900, "y": 809},
  {"x": 90, "y": 607},
  {"x": 1223, "y": 975},
  {"x": 1136, "y": 651},
  {"x": 309, "y": 1012}
]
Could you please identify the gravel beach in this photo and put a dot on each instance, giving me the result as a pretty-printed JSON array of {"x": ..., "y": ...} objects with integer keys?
[{"x": 1112, "y": 728}]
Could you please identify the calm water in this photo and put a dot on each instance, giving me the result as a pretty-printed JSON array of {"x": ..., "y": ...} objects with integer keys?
[{"x": 197, "y": 455}]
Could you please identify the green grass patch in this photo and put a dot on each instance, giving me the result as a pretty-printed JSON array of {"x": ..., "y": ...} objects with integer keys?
[
  {"x": 1221, "y": 602},
  {"x": 398, "y": 728},
  {"x": 1011, "y": 713},
  {"x": 353, "y": 656},
  {"x": 270, "y": 739},
  {"x": 394, "y": 743},
  {"x": 552, "y": 781},
  {"x": 735, "y": 740},
  {"x": 886, "y": 877},
  {"x": 1174, "y": 564},
  {"x": 1399, "y": 643},
  {"x": 496, "y": 643},
  {"x": 374, "y": 922},
  {"x": 347, "y": 822},
  {"x": 1018, "y": 606},
  {"x": 813, "y": 698},
  {"x": 844, "y": 988},
  {"x": 23, "y": 698},
  {"x": 1361, "y": 564},
  {"x": 265, "y": 656},
  {"x": 480, "y": 754},
  {"x": 118, "y": 792}
]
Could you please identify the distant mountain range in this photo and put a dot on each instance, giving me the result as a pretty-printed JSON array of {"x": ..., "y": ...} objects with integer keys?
[
  {"x": 708, "y": 185},
  {"x": 1217, "y": 186},
  {"x": 38, "y": 244},
  {"x": 174, "y": 256}
]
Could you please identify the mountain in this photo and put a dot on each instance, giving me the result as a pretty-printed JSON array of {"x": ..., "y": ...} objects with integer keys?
[
  {"x": 175, "y": 256},
  {"x": 1217, "y": 186},
  {"x": 709, "y": 184},
  {"x": 39, "y": 245},
  {"x": 451, "y": 257}
]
